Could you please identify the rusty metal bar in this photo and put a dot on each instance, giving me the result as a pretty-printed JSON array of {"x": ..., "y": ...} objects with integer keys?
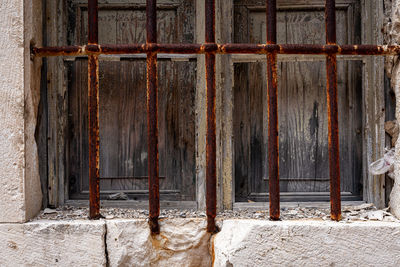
[
  {"x": 310, "y": 49},
  {"x": 272, "y": 95},
  {"x": 93, "y": 117},
  {"x": 211, "y": 155},
  {"x": 152, "y": 118},
  {"x": 333, "y": 124},
  {"x": 93, "y": 50}
]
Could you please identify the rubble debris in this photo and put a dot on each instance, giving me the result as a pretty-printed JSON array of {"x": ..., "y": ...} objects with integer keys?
[
  {"x": 49, "y": 211},
  {"x": 118, "y": 196},
  {"x": 361, "y": 212}
]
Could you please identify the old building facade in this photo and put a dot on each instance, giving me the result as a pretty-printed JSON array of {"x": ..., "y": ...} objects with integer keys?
[{"x": 43, "y": 135}]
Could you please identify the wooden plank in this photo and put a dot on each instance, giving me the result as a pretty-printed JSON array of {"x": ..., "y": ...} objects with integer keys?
[
  {"x": 373, "y": 99},
  {"x": 132, "y": 204},
  {"x": 241, "y": 110},
  {"x": 242, "y": 131},
  {"x": 224, "y": 109},
  {"x": 56, "y": 98},
  {"x": 293, "y": 4},
  {"x": 317, "y": 205},
  {"x": 185, "y": 85},
  {"x": 123, "y": 145},
  {"x": 200, "y": 111}
]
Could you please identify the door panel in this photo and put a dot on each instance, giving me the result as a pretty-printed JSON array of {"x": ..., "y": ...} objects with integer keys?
[
  {"x": 123, "y": 115},
  {"x": 302, "y": 108}
]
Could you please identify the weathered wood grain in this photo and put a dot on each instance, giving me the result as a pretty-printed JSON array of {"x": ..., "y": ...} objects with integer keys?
[
  {"x": 123, "y": 119},
  {"x": 302, "y": 107}
]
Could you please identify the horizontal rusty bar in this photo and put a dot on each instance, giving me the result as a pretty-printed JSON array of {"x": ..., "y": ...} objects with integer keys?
[{"x": 310, "y": 49}]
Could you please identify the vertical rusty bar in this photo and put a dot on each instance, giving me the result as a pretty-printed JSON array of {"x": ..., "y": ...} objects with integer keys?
[
  {"x": 333, "y": 128},
  {"x": 272, "y": 95},
  {"x": 152, "y": 118},
  {"x": 93, "y": 108},
  {"x": 211, "y": 176}
]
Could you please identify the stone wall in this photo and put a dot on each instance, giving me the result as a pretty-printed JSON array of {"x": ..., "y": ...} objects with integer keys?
[
  {"x": 129, "y": 242},
  {"x": 20, "y": 196},
  {"x": 392, "y": 65}
]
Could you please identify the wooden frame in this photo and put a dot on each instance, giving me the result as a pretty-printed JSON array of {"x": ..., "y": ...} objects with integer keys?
[{"x": 373, "y": 99}]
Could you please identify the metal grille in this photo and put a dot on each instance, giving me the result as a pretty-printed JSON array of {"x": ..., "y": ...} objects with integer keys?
[{"x": 210, "y": 49}]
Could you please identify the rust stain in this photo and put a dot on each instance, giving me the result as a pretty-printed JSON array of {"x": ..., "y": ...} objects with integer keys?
[{"x": 12, "y": 245}]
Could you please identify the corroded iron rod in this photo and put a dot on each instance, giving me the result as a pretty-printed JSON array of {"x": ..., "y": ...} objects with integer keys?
[
  {"x": 299, "y": 49},
  {"x": 93, "y": 114},
  {"x": 152, "y": 118},
  {"x": 211, "y": 156},
  {"x": 333, "y": 124},
  {"x": 272, "y": 95}
]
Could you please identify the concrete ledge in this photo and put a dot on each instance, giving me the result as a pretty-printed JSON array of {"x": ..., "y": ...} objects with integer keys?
[
  {"x": 50, "y": 243},
  {"x": 184, "y": 242},
  {"x": 307, "y": 243}
]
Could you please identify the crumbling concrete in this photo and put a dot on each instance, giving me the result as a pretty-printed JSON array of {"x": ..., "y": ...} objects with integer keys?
[
  {"x": 182, "y": 241},
  {"x": 392, "y": 36}
]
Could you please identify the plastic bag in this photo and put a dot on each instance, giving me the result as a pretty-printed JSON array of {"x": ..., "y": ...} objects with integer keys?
[{"x": 384, "y": 165}]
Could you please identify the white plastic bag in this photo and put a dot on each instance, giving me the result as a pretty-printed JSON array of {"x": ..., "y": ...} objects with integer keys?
[{"x": 384, "y": 165}]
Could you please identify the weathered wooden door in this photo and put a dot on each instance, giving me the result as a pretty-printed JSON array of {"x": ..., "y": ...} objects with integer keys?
[
  {"x": 303, "y": 135},
  {"x": 123, "y": 121}
]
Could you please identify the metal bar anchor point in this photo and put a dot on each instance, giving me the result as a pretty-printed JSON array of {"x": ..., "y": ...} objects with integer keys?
[{"x": 333, "y": 125}]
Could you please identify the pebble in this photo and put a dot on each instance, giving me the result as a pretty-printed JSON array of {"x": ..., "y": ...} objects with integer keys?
[
  {"x": 376, "y": 215},
  {"x": 49, "y": 211}
]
